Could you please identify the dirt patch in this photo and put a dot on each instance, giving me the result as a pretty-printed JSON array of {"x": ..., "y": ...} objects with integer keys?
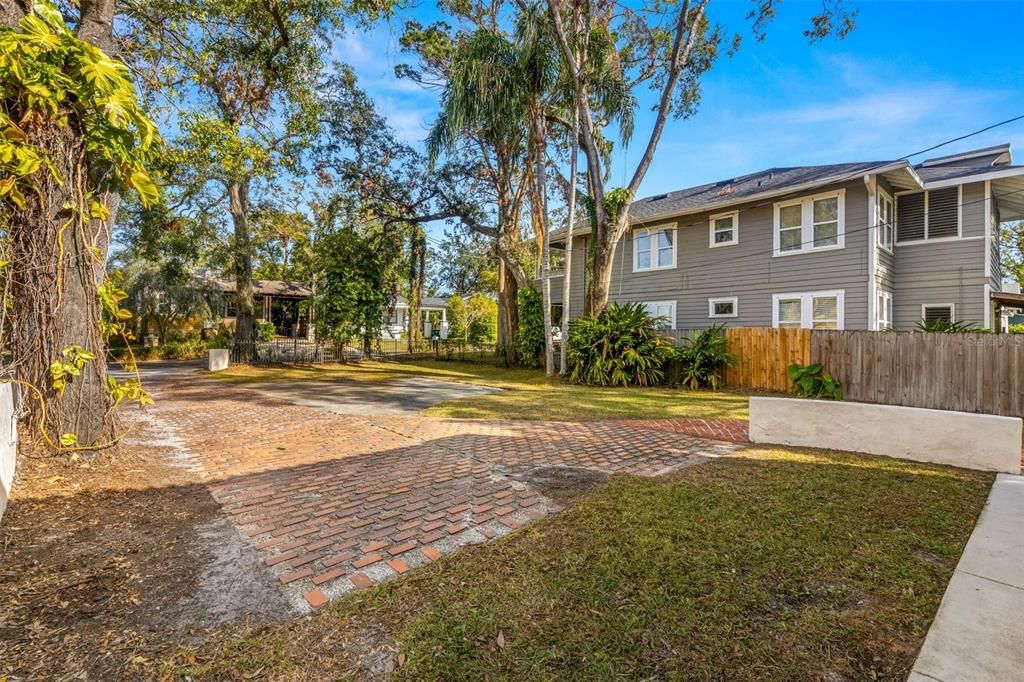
[
  {"x": 106, "y": 563},
  {"x": 562, "y": 483}
]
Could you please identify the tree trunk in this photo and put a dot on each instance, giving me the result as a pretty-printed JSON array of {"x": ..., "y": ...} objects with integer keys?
[
  {"x": 540, "y": 141},
  {"x": 417, "y": 279},
  {"x": 56, "y": 271},
  {"x": 508, "y": 314},
  {"x": 563, "y": 365},
  {"x": 54, "y": 292},
  {"x": 603, "y": 258},
  {"x": 245, "y": 320}
]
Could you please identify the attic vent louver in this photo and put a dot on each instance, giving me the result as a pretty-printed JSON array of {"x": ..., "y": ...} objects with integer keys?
[{"x": 659, "y": 197}]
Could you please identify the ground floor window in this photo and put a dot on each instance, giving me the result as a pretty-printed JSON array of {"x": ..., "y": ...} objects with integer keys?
[
  {"x": 884, "y": 311},
  {"x": 723, "y": 307},
  {"x": 662, "y": 309},
  {"x": 932, "y": 313},
  {"x": 808, "y": 310}
]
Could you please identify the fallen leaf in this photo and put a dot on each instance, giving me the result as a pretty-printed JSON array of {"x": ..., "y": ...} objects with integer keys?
[{"x": 501, "y": 639}]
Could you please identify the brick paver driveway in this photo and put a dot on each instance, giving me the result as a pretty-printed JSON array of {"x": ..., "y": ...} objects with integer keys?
[{"x": 340, "y": 501}]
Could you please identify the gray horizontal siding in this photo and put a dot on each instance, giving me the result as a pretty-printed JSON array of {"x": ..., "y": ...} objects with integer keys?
[
  {"x": 748, "y": 270},
  {"x": 939, "y": 273},
  {"x": 942, "y": 272}
]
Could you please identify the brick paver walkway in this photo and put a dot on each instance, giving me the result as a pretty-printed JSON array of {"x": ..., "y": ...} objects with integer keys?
[
  {"x": 731, "y": 430},
  {"x": 338, "y": 502}
]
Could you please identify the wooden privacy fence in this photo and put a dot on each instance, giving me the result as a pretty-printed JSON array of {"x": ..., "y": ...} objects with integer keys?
[
  {"x": 763, "y": 354},
  {"x": 965, "y": 372}
]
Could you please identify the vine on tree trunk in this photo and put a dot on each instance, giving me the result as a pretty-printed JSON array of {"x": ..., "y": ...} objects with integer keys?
[{"x": 72, "y": 138}]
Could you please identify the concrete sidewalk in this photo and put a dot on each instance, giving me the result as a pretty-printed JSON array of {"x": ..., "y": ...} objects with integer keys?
[{"x": 977, "y": 632}]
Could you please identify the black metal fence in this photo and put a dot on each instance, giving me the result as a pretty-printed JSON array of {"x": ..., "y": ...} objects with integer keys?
[
  {"x": 305, "y": 352},
  {"x": 288, "y": 351}
]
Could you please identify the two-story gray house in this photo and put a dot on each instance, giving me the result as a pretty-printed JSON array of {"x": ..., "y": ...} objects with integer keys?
[{"x": 870, "y": 245}]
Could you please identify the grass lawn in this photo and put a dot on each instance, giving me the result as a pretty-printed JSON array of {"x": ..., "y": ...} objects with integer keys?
[
  {"x": 766, "y": 565},
  {"x": 528, "y": 393}
]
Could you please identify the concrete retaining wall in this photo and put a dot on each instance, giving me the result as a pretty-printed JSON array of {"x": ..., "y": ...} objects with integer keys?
[
  {"x": 8, "y": 443},
  {"x": 218, "y": 359},
  {"x": 963, "y": 439}
]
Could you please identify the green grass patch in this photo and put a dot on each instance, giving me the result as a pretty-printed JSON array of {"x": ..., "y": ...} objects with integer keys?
[
  {"x": 766, "y": 565},
  {"x": 527, "y": 394}
]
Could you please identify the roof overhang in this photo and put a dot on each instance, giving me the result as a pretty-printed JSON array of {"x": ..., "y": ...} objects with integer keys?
[
  {"x": 1008, "y": 299},
  {"x": 976, "y": 177},
  {"x": 1001, "y": 152}
]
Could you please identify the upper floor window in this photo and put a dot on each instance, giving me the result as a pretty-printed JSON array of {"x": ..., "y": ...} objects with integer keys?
[
  {"x": 933, "y": 214},
  {"x": 810, "y": 224},
  {"x": 885, "y": 216},
  {"x": 654, "y": 249},
  {"x": 812, "y": 310},
  {"x": 725, "y": 229}
]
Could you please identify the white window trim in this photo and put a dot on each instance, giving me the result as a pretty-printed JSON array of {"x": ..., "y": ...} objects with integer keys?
[
  {"x": 671, "y": 316},
  {"x": 951, "y": 306},
  {"x": 886, "y": 303},
  {"x": 652, "y": 232},
  {"x": 938, "y": 240},
  {"x": 807, "y": 224},
  {"x": 735, "y": 215},
  {"x": 806, "y": 307},
  {"x": 879, "y": 231},
  {"x": 724, "y": 299}
]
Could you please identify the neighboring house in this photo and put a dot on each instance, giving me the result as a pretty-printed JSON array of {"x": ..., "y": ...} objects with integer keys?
[
  {"x": 283, "y": 303},
  {"x": 397, "y": 326},
  {"x": 845, "y": 246}
]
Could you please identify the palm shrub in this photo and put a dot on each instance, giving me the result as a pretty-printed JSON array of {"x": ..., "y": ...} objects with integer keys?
[
  {"x": 619, "y": 347},
  {"x": 948, "y": 326},
  {"x": 702, "y": 359}
]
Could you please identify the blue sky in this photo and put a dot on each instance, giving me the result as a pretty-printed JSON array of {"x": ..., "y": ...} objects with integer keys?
[{"x": 911, "y": 75}]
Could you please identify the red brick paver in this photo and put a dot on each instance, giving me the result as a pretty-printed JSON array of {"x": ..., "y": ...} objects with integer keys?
[
  {"x": 337, "y": 501},
  {"x": 729, "y": 430}
]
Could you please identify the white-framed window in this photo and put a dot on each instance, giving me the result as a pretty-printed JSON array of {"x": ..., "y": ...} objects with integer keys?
[
  {"x": 725, "y": 229},
  {"x": 654, "y": 249},
  {"x": 938, "y": 312},
  {"x": 728, "y": 306},
  {"x": 885, "y": 214},
  {"x": 812, "y": 223},
  {"x": 809, "y": 310},
  {"x": 663, "y": 309},
  {"x": 884, "y": 310}
]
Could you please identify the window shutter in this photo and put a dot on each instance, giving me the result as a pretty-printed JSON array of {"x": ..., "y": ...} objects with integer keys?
[
  {"x": 935, "y": 313},
  {"x": 943, "y": 213},
  {"x": 910, "y": 217}
]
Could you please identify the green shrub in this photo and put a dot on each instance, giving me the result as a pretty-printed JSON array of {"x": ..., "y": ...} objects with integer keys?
[
  {"x": 812, "y": 381},
  {"x": 619, "y": 347},
  {"x": 530, "y": 338},
  {"x": 702, "y": 359},
  {"x": 1016, "y": 328},
  {"x": 948, "y": 326},
  {"x": 265, "y": 331}
]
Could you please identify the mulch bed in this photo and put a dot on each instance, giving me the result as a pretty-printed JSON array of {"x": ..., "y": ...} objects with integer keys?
[{"x": 105, "y": 563}]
